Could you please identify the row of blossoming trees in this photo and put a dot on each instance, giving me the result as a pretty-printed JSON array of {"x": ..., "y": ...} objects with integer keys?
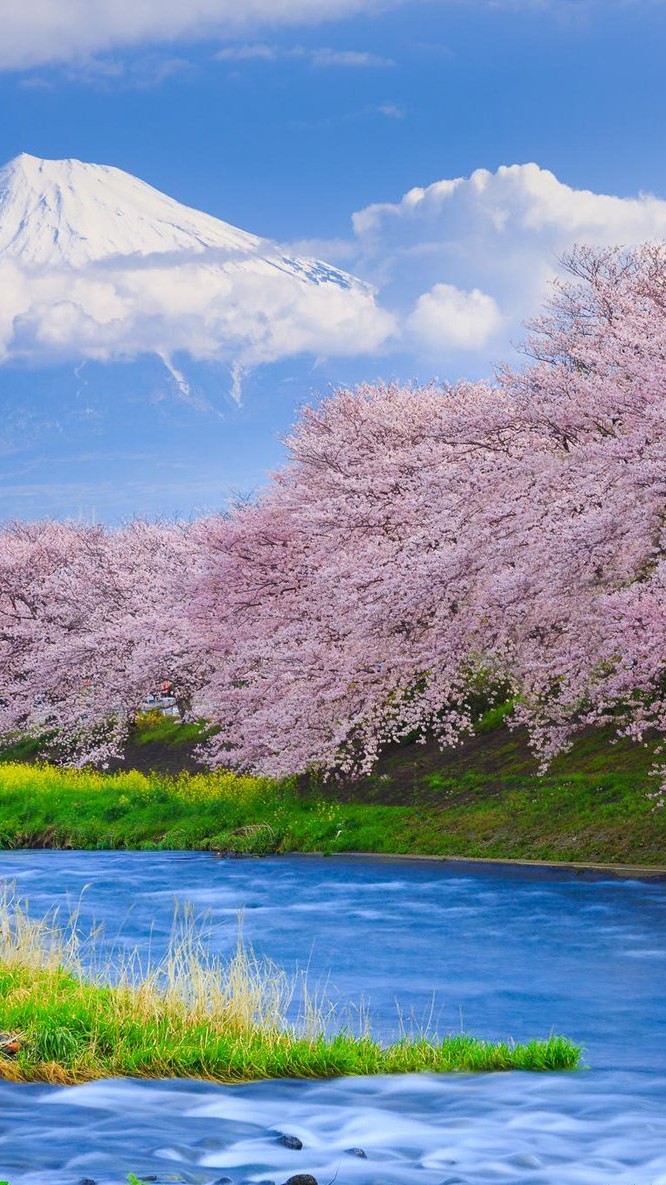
[{"x": 419, "y": 544}]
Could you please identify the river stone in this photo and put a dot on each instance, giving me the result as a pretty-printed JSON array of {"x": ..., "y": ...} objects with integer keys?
[
  {"x": 525, "y": 1160},
  {"x": 87, "y": 1181},
  {"x": 357, "y": 1152},
  {"x": 290, "y": 1142},
  {"x": 302, "y": 1179}
]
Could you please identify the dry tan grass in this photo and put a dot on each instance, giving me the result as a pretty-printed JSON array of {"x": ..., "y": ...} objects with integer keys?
[{"x": 188, "y": 983}]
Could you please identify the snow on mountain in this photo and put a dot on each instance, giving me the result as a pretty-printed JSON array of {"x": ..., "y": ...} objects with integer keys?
[
  {"x": 55, "y": 212},
  {"x": 97, "y": 264},
  {"x": 65, "y": 211}
]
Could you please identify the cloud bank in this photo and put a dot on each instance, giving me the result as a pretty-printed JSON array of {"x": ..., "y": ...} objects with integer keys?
[
  {"x": 465, "y": 261},
  {"x": 42, "y": 32},
  {"x": 37, "y": 32},
  {"x": 244, "y": 316}
]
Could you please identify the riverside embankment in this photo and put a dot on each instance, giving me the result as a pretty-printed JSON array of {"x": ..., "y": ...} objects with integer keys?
[{"x": 485, "y": 799}]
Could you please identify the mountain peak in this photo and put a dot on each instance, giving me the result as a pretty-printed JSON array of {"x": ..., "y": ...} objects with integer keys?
[{"x": 55, "y": 212}]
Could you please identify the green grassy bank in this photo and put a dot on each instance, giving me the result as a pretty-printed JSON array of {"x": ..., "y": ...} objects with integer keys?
[
  {"x": 483, "y": 799},
  {"x": 195, "y": 1016}
]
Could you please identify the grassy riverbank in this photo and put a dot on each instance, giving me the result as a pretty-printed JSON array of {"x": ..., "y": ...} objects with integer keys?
[
  {"x": 482, "y": 799},
  {"x": 193, "y": 1016}
]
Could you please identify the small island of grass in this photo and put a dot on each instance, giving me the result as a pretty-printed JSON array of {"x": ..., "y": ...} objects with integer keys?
[{"x": 193, "y": 1016}]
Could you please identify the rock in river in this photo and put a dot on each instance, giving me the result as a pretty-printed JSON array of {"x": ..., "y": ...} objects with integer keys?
[{"x": 290, "y": 1142}]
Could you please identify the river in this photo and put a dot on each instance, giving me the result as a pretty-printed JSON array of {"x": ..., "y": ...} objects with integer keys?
[{"x": 500, "y": 951}]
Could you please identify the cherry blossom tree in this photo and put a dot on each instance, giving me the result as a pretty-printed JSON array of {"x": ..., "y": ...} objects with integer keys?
[
  {"x": 90, "y": 620},
  {"x": 593, "y": 650},
  {"x": 421, "y": 540},
  {"x": 349, "y": 603}
]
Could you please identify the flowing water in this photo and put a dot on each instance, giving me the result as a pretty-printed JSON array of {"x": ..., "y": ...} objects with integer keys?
[{"x": 504, "y": 952}]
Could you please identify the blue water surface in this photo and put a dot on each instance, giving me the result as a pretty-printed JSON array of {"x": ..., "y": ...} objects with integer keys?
[{"x": 501, "y": 951}]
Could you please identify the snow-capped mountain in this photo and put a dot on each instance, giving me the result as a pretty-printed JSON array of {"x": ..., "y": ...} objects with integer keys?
[
  {"x": 131, "y": 329},
  {"x": 67, "y": 212},
  {"x": 96, "y": 265}
]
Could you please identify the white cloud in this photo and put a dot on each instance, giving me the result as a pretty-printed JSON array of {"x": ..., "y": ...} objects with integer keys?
[
  {"x": 108, "y": 73},
  {"x": 247, "y": 315},
  {"x": 255, "y": 52},
  {"x": 517, "y": 202},
  {"x": 447, "y": 319},
  {"x": 348, "y": 57},
  {"x": 36, "y": 32},
  {"x": 259, "y": 52},
  {"x": 390, "y": 110},
  {"x": 471, "y": 257}
]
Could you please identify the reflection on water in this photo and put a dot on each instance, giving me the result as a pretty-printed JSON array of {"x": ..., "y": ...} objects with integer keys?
[{"x": 513, "y": 952}]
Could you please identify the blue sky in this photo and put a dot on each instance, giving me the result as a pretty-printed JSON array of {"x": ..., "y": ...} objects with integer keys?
[
  {"x": 291, "y": 148},
  {"x": 286, "y": 126}
]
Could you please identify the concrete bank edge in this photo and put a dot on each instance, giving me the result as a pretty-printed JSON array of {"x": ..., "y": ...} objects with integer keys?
[{"x": 624, "y": 870}]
